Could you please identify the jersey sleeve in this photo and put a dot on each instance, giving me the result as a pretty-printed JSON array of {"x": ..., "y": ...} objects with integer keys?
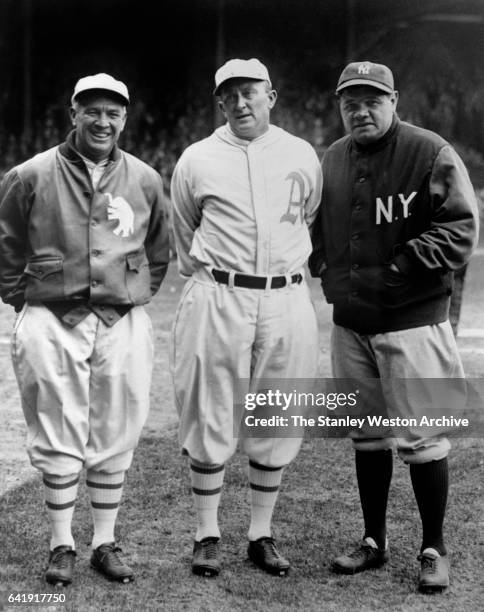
[
  {"x": 316, "y": 262},
  {"x": 14, "y": 211},
  {"x": 453, "y": 233},
  {"x": 314, "y": 200},
  {"x": 157, "y": 242},
  {"x": 187, "y": 215}
]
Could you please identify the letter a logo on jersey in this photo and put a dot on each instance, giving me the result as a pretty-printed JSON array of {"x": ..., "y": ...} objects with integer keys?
[
  {"x": 295, "y": 208},
  {"x": 121, "y": 211}
]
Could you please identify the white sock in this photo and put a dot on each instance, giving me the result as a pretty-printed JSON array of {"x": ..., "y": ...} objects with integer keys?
[
  {"x": 207, "y": 481},
  {"x": 264, "y": 487},
  {"x": 60, "y": 498},
  {"x": 105, "y": 491}
]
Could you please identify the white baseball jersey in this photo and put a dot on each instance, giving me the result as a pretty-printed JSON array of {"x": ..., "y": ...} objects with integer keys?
[
  {"x": 243, "y": 207},
  {"x": 246, "y": 206}
]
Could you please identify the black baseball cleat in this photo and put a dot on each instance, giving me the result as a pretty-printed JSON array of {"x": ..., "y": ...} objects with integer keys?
[
  {"x": 61, "y": 565},
  {"x": 366, "y": 556},
  {"x": 434, "y": 571},
  {"x": 108, "y": 560},
  {"x": 263, "y": 552},
  {"x": 205, "y": 557}
]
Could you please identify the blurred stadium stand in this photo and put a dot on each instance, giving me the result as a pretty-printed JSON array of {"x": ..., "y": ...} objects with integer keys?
[{"x": 167, "y": 53}]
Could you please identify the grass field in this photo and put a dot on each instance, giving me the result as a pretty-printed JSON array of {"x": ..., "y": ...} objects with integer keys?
[{"x": 317, "y": 516}]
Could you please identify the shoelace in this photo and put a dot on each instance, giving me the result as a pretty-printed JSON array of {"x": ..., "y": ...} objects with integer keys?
[
  {"x": 114, "y": 555},
  {"x": 364, "y": 550},
  {"x": 428, "y": 563},
  {"x": 270, "y": 547},
  {"x": 209, "y": 548},
  {"x": 61, "y": 558}
]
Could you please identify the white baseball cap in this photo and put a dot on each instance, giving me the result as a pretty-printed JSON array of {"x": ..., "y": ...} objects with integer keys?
[
  {"x": 101, "y": 81},
  {"x": 239, "y": 68}
]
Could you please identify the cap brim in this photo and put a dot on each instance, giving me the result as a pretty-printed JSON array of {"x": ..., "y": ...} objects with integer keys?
[
  {"x": 111, "y": 92},
  {"x": 217, "y": 89},
  {"x": 367, "y": 82}
]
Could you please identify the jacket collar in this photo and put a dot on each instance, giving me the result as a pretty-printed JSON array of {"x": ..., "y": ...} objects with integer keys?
[
  {"x": 68, "y": 149},
  {"x": 383, "y": 141}
]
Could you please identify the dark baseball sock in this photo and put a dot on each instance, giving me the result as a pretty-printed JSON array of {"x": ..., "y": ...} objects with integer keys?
[
  {"x": 374, "y": 473},
  {"x": 430, "y": 483}
]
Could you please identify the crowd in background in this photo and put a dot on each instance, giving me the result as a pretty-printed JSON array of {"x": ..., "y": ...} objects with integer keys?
[
  {"x": 159, "y": 137},
  {"x": 159, "y": 134}
]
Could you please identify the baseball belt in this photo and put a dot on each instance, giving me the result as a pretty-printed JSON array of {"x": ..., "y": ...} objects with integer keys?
[{"x": 254, "y": 282}]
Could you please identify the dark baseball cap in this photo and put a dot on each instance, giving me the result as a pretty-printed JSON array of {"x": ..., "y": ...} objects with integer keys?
[{"x": 366, "y": 73}]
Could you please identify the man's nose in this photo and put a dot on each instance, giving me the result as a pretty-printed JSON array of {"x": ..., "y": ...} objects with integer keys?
[
  {"x": 362, "y": 111},
  {"x": 102, "y": 119},
  {"x": 240, "y": 101}
]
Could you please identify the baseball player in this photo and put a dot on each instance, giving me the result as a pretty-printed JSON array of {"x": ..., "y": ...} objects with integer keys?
[
  {"x": 244, "y": 199},
  {"x": 83, "y": 245},
  {"x": 398, "y": 215}
]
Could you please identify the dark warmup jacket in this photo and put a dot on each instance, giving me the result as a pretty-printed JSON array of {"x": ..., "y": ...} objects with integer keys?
[{"x": 406, "y": 199}]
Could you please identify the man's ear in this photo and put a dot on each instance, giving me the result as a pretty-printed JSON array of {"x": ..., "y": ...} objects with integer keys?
[
  {"x": 72, "y": 113},
  {"x": 272, "y": 98},
  {"x": 221, "y": 107},
  {"x": 395, "y": 97}
]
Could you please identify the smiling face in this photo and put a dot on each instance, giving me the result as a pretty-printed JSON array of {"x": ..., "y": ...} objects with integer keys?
[
  {"x": 99, "y": 120},
  {"x": 367, "y": 112},
  {"x": 246, "y": 104}
]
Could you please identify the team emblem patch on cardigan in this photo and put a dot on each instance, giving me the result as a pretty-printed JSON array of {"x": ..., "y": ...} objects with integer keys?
[{"x": 121, "y": 211}]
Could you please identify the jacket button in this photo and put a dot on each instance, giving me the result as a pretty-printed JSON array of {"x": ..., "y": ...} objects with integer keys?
[
  {"x": 362, "y": 179},
  {"x": 358, "y": 207},
  {"x": 355, "y": 266},
  {"x": 355, "y": 236},
  {"x": 354, "y": 293}
]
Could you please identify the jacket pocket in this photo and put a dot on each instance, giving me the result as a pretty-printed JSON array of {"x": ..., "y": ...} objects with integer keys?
[
  {"x": 45, "y": 278},
  {"x": 138, "y": 278},
  {"x": 399, "y": 290},
  {"x": 392, "y": 278}
]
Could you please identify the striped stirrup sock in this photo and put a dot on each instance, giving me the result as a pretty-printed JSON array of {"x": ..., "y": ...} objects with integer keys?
[
  {"x": 264, "y": 488},
  {"x": 60, "y": 498},
  {"x": 105, "y": 492},
  {"x": 207, "y": 481}
]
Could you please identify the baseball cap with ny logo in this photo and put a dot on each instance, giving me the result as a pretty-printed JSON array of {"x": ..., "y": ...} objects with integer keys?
[{"x": 366, "y": 73}]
